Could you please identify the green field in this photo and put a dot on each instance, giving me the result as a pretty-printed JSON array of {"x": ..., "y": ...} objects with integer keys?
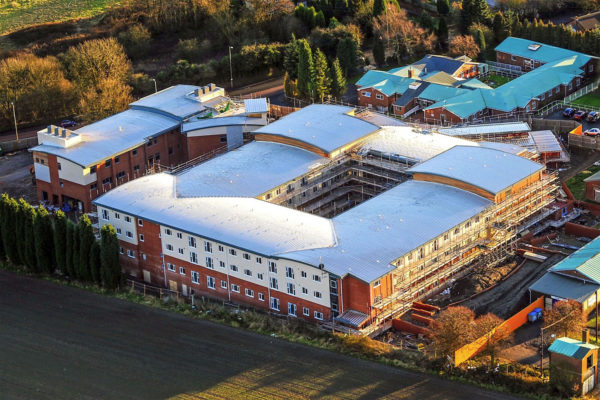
[
  {"x": 494, "y": 80},
  {"x": 576, "y": 184},
  {"x": 592, "y": 100},
  {"x": 15, "y": 15}
]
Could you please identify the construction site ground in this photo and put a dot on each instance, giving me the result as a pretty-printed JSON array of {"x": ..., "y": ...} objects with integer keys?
[{"x": 15, "y": 178}]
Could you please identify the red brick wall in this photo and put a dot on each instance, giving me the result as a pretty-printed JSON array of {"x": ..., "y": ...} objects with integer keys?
[
  {"x": 196, "y": 146},
  {"x": 589, "y": 189},
  {"x": 373, "y": 101},
  {"x": 436, "y": 114},
  {"x": 581, "y": 230},
  {"x": 356, "y": 295}
]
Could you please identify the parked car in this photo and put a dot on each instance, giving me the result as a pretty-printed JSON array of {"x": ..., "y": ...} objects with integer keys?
[
  {"x": 568, "y": 112},
  {"x": 593, "y": 116},
  {"x": 67, "y": 123},
  {"x": 579, "y": 115},
  {"x": 592, "y": 132}
]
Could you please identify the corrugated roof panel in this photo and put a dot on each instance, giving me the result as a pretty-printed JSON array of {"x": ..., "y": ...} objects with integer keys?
[
  {"x": 545, "y": 53},
  {"x": 586, "y": 260},
  {"x": 564, "y": 287},
  {"x": 571, "y": 347},
  {"x": 256, "y": 106},
  {"x": 487, "y": 129},
  {"x": 220, "y": 121}
]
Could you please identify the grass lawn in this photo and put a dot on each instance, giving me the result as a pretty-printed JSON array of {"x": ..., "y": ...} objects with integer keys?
[
  {"x": 576, "y": 184},
  {"x": 20, "y": 14},
  {"x": 592, "y": 100},
  {"x": 494, "y": 80}
]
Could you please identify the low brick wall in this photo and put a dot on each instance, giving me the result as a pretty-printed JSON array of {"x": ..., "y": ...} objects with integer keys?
[
  {"x": 581, "y": 230},
  {"x": 22, "y": 144}
]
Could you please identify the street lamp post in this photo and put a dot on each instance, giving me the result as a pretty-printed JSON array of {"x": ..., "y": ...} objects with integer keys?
[
  {"x": 15, "y": 119},
  {"x": 155, "y": 87},
  {"x": 230, "y": 66}
]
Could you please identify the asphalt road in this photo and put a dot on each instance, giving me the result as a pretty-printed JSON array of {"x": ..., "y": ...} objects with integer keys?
[{"x": 58, "y": 342}]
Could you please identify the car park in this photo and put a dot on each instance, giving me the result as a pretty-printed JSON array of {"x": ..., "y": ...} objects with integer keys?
[
  {"x": 593, "y": 116},
  {"x": 579, "y": 115},
  {"x": 568, "y": 112},
  {"x": 592, "y": 132}
]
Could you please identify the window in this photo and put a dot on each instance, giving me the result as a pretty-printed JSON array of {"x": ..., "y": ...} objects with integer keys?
[
  {"x": 141, "y": 237},
  {"x": 170, "y": 150},
  {"x": 377, "y": 283},
  {"x": 259, "y": 276},
  {"x": 223, "y": 284},
  {"x": 119, "y": 231},
  {"x": 318, "y": 295},
  {"x": 130, "y": 253},
  {"x": 117, "y": 159},
  {"x": 210, "y": 282},
  {"x": 134, "y": 152},
  {"x": 93, "y": 170},
  {"x": 234, "y": 268},
  {"x": 195, "y": 277},
  {"x": 303, "y": 274},
  {"x": 120, "y": 174},
  {"x": 168, "y": 232},
  {"x": 379, "y": 96},
  {"x": 207, "y": 247},
  {"x": 304, "y": 290},
  {"x": 272, "y": 267},
  {"x": 261, "y": 297},
  {"x": 318, "y": 315},
  {"x": 291, "y": 288},
  {"x": 107, "y": 181},
  {"x": 140, "y": 222},
  {"x": 556, "y": 90},
  {"x": 591, "y": 67},
  {"x": 222, "y": 264},
  {"x": 192, "y": 241},
  {"x": 179, "y": 235},
  {"x": 246, "y": 256},
  {"x": 317, "y": 278},
  {"x": 193, "y": 257},
  {"x": 275, "y": 303},
  {"x": 421, "y": 252},
  {"x": 221, "y": 248},
  {"x": 305, "y": 311},
  {"x": 333, "y": 284},
  {"x": 136, "y": 168},
  {"x": 232, "y": 252},
  {"x": 127, "y": 218},
  {"x": 249, "y": 292},
  {"x": 543, "y": 96},
  {"x": 59, "y": 166},
  {"x": 366, "y": 94},
  {"x": 589, "y": 361},
  {"x": 93, "y": 186},
  {"x": 273, "y": 283},
  {"x": 513, "y": 58},
  {"x": 120, "y": 250},
  {"x": 129, "y": 234},
  {"x": 105, "y": 215},
  {"x": 180, "y": 251},
  {"x": 209, "y": 263},
  {"x": 107, "y": 163},
  {"x": 571, "y": 86},
  {"x": 258, "y": 260},
  {"x": 289, "y": 272},
  {"x": 182, "y": 270},
  {"x": 170, "y": 247},
  {"x": 223, "y": 139},
  {"x": 292, "y": 309},
  {"x": 235, "y": 288},
  {"x": 247, "y": 272}
]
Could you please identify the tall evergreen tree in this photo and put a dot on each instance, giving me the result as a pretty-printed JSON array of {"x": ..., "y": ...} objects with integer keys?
[
  {"x": 95, "y": 263},
  {"x": 347, "y": 53},
  {"x": 378, "y": 51},
  {"x": 338, "y": 82},
  {"x": 60, "y": 240},
  {"x": 322, "y": 81},
  {"x": 378, "y": 7},
  {"x": 443, "y": 7},
  {"x": 290, "y": 58},
  {"x": 442, "y": 33},
  {"x": 68, "y": 262},
  {"x": 86, "y": 240},
  {"x": 499, "y": 27},
  {"x": 75, "y": 239},
  {"x": 9, "y": 225},
  {"x": 44, "y": 241},
  {"x": 466, "y": 15},
  {"x": 306, "y": 70},
  {"x": 480, "y": 39},
  {"x": 27, "y": 216},
  {"x": 109, "y": 257},
  {"x": 480, "y": 11},
  {"x": 320, "y": 20}
]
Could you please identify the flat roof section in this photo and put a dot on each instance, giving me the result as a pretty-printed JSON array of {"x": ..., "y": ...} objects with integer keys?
[
  {"x": 544, "y": 53},
  {"x": 487, "y": 129},
  {"x": 326, "y": 127},
  {"x": 563, "y": 287},
  {"x": 488, "y": 169},
  {"x": 247, "y": 171},
  {"x": 251, "y": 224},
  {"x": 173, "y": 101},
  {"x": 207, "y": 123},
  {"x": 113, "y": 135},
  {"x": 375, "y": 233}
]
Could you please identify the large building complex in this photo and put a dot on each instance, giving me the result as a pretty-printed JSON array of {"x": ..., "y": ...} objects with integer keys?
[
  {"x": 328, "y": 214},
  {"x": 166, "y": 129}
]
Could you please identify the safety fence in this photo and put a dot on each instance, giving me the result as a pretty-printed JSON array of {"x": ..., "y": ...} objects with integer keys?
[
  {"x": 582, "y": 92},
  {"x": 497, "y": 334}
]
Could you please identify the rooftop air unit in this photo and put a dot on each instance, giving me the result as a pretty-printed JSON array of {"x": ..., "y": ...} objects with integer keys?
[{"x": 534, "y": 47}]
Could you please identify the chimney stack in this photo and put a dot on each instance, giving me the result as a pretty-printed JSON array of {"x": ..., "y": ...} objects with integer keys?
[
  {"x": 585, "y": 336},
  {"x": 410, "y": 72}
]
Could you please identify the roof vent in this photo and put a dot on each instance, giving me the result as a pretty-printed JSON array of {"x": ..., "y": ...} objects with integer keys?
[{"x": 534, "y": 47}]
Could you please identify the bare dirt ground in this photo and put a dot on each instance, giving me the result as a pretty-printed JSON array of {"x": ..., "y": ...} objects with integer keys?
[
  {"x": 58, "y": 342},
  {"x": 15, "y": 178}
]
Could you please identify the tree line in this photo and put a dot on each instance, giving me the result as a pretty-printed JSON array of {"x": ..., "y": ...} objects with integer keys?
[{"x": 45, "y": 244}]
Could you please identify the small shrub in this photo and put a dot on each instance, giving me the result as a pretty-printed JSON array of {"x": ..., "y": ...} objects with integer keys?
[{"x": 136, "y": 40}]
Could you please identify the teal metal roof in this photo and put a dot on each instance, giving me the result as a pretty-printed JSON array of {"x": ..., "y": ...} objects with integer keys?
[
  {"x": 475, "y": 84},
  {"x": 437, "y": 92},
  {"x": 545, "y": 53},
  {"x": 571, "y": 347},
  {"x": 586, "y": 261},
  {"x": 564, "y": 287},
  {"x": 385, "y": 82},
  {"x": 518, "y": 92}
]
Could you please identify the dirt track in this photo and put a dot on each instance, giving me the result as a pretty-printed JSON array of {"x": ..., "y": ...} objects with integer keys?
[{"x": 58, "y": 342}]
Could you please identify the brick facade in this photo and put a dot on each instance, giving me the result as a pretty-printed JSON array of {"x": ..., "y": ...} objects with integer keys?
[{"x": 372, "y": 100}]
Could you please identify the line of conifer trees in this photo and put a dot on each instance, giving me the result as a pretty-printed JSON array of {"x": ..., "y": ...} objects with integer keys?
[{"x": 44, "y": 244}]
